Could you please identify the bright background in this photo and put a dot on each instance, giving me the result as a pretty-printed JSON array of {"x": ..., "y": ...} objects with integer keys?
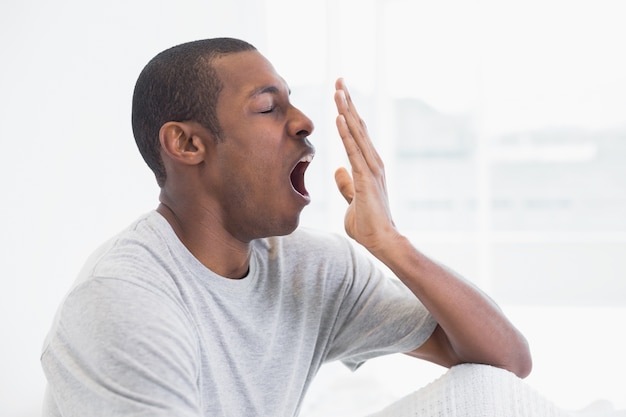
[{"x": 502, "y": 124}]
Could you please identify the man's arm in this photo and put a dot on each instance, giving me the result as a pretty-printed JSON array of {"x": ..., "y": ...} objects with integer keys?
[{"x": 471, "y": 326}]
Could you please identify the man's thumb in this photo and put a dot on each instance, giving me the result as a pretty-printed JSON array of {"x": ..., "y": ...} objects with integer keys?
[{"x": 344, "y": 183}]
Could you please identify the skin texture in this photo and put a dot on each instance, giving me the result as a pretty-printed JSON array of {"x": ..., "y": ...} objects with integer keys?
[{"x": 221, "y": 194}]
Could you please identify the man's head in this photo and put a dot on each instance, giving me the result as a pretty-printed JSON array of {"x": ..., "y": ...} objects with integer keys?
[
  {"x": 179, "y": 84},
  {"x": 221, "y": 127}
]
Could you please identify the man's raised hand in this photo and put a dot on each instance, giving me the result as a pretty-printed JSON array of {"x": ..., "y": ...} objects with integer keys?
[{"x": 368, "y": 217}]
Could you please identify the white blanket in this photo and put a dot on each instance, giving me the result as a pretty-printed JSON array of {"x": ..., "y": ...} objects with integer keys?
[{"x": 484, "y": 391}]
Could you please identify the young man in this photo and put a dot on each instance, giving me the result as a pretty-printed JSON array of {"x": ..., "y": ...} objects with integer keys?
[{"x": 215, "y": 303}]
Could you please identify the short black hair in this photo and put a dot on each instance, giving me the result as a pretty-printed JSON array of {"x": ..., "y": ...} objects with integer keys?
[{"x": 179, "y": 84}]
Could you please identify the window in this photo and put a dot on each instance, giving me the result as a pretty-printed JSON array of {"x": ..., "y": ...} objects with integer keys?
[{"x": 502, "y": 126}]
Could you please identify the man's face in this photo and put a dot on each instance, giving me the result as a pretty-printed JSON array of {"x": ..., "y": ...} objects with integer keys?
[{"x": 256, "y": 169}]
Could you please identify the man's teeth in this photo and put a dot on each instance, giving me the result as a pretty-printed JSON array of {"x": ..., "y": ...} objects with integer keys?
[{"x": 306, "y": 158}]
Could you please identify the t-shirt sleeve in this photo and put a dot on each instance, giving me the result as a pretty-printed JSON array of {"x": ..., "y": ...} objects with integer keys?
[
  {"x": 379, "y": 315},
  {"x": 121, "y": 349}
]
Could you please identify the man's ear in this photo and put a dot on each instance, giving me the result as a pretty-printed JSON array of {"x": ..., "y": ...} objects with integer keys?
[{"x": 180, "y": 143}]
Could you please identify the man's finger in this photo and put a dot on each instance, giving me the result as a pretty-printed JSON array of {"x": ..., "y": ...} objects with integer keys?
[
  {"x": 344, "y": 183},
  {"x": 355, "y": 125}
]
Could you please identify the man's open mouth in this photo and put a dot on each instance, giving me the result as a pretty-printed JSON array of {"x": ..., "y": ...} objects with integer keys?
[{"x": 297, "y": 175}]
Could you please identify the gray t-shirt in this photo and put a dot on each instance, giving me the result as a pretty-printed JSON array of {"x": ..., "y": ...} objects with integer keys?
[{"x": 147, "y": 330}]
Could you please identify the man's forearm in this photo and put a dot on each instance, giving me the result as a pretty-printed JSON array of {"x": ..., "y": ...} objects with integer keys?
[{"x": 474, "y": 325}]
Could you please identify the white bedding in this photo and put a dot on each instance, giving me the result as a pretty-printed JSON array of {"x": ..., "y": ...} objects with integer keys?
[
  {"x": 578, "y": 364},
  {"x": 484, "y": 391}
]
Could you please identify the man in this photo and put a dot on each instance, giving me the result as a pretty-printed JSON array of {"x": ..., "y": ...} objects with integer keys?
[{"x": 215, "y": 304}]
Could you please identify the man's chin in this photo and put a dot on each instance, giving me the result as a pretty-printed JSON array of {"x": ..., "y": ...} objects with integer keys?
[
  {"x": 290, "y": 228},
  {"x": 279, "y": 228}
]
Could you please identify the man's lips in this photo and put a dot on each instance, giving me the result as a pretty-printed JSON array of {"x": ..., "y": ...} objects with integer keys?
[{"x": 297, "y": 174}]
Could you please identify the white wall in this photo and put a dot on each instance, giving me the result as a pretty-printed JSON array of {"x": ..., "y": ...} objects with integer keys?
[{"x": 70, "y": 172}]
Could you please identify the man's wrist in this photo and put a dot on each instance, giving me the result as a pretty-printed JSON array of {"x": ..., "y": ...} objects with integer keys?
[{"x": 389, "y": 247}]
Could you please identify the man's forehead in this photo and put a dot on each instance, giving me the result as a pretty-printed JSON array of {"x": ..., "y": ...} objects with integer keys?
[{"x": 250, "y": 73}]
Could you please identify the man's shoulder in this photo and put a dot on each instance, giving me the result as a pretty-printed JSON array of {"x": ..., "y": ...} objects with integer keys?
[
  {"x": 124, "y": 277},
  {"x": 310, "y": 241},
  {"x": 308, "y": 248},
  {"x": 137, "y": 255}
]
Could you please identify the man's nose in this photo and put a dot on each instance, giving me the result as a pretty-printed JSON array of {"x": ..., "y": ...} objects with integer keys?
[{"x": 300, "y": 125}]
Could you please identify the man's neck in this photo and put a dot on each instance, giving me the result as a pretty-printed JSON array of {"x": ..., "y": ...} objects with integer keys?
[{"x": 213, "y": 246}]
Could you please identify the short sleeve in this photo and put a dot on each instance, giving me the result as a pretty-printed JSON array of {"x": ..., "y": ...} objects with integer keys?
[
  {"x": 379, "y": 316},
  {"x": 119, "y": 348}
]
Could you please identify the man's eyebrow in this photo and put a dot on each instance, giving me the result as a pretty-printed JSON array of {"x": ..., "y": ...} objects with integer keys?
[{"x": 270, "y": 89}]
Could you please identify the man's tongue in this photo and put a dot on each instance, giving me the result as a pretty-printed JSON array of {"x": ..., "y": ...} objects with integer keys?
[{"x": 297, "y": 178}]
